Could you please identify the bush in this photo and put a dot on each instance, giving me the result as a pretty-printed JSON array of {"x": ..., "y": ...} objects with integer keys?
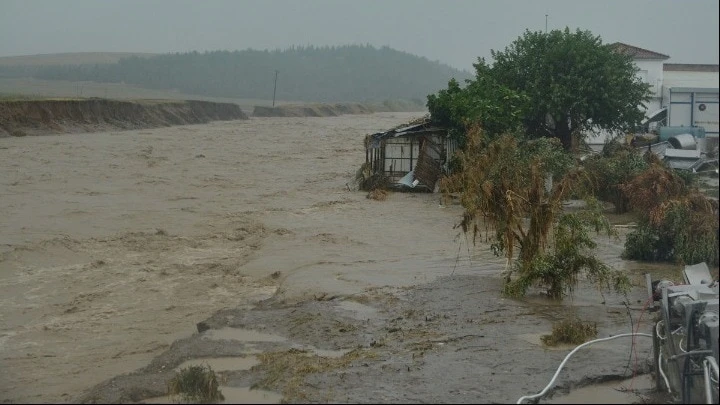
[
  {"x": 643, "y": 244},
  {"x": 573, "y": 331},
  {"x": 196, "y": 384},
  {"x": 616, "y": 165},
  {"x": 569, "y": 256},
  {"x": 679, "y": 223}
]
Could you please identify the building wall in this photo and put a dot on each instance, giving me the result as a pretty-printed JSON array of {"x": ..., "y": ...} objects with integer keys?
[
  {"x": 695, "y": 107},
  {"x": 688, "y": 79},
  {"x": 651, "y": 72}
]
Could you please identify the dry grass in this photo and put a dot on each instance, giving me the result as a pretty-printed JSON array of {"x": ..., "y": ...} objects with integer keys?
[
  {"x": 378, "y": 194},
  {"x": 414, "y": 121},
  {"x": 286, "y": 371}
]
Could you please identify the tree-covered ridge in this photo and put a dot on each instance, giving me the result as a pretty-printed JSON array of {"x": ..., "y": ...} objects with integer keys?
[{"x": 343, "y": 73}]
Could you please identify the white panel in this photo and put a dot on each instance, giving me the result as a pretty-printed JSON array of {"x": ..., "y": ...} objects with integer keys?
[
  {"x": 397, "y": 157},
  {"x": 691, "y": 79},
  {"x": 389, "y": 165},
  {"x": 398, "y": 153},
  {"x": 712, "y": 97},
  {"x": 397, "y": 165},
  {"x": 708, "y": 118},
  {"x": 679, "y": 115},
  {"x": 682, "y": 97},
  {"x": 393, "y": 151}
]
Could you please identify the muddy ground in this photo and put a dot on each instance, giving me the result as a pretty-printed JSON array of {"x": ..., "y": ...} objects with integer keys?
[
  {"x": 117, "y": 245},
  {"x": 449, "y": 341}
]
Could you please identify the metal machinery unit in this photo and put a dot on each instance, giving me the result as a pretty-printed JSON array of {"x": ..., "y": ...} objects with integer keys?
[{"x": 685, "y": 338}]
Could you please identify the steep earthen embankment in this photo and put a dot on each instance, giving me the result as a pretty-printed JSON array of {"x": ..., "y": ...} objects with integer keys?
[
  {"x": 312, "y": 110},
  {"x": 40, "y": 117}
]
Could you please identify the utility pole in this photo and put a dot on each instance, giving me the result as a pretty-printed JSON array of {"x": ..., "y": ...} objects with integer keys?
[
  {"x": 275, "y": 88},
  {"x": 546, "y": 23}
]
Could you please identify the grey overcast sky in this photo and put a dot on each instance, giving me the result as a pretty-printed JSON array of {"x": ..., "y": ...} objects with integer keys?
[{"x": 454, "y": 32}]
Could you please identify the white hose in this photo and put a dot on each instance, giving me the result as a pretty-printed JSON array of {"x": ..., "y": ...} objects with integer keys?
[
  {"x": 708, "y": 385},
  {"x": 552, "y": 381},
  {"x": 659, "y": 359},
  {"x": 662, "y": 373},
  {"x": 711, "y": 361},
  {"x": 657, "y": 330}
]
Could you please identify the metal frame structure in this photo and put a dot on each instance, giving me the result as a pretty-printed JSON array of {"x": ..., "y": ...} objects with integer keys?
[{"x": 414, "y": 156}]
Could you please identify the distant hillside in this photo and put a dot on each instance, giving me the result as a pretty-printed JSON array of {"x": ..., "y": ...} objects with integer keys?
[
  {"x": 325, "y": 74},
  {"x": 77, "y": 58}
]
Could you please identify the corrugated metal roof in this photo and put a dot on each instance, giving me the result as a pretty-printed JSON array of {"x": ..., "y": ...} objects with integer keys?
[
  {"x": 420, "y": 127},
  {"x": 637, "y": 52}
]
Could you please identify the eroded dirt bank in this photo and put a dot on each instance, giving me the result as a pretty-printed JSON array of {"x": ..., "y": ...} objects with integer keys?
[
  {"x": 312, "y": 110},
  {"x": 115, "y": 246},
  {"x": 40, "y": 117}
]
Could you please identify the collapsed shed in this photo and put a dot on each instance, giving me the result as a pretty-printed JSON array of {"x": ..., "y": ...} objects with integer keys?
[{"x": 412, "y": 156}]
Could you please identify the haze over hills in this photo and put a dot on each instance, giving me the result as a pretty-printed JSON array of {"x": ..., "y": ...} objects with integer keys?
[{"x": 322, "y": 74}]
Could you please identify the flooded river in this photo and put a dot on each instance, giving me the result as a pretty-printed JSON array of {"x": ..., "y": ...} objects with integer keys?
[{"x": 113, "y": 245}]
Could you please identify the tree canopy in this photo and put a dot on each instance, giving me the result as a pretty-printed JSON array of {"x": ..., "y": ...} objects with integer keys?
[
  {"x": 559, "y": 84},
  {"x": 484, "y": 100}
]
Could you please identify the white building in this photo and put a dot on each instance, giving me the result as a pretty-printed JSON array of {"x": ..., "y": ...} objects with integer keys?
[
  {"x": 651, "y": 70},
  {"x": 690, "y": 94},
  {"x": 681, "y": 94}
]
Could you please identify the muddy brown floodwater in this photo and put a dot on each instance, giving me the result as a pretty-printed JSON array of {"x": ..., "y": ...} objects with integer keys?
[{"x": 113, "y": 246}]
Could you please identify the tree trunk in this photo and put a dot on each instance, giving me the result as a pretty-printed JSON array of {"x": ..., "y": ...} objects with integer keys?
[{"x": 564, "y": 133}]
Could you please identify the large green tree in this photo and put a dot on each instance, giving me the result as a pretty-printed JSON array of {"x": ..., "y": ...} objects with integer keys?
[
  {"x": 559, "y": 84},
  {"x": 573, "y": 82}
]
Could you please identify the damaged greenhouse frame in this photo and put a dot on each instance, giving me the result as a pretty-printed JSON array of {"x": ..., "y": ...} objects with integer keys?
[{"x": 410, "y": 157}]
